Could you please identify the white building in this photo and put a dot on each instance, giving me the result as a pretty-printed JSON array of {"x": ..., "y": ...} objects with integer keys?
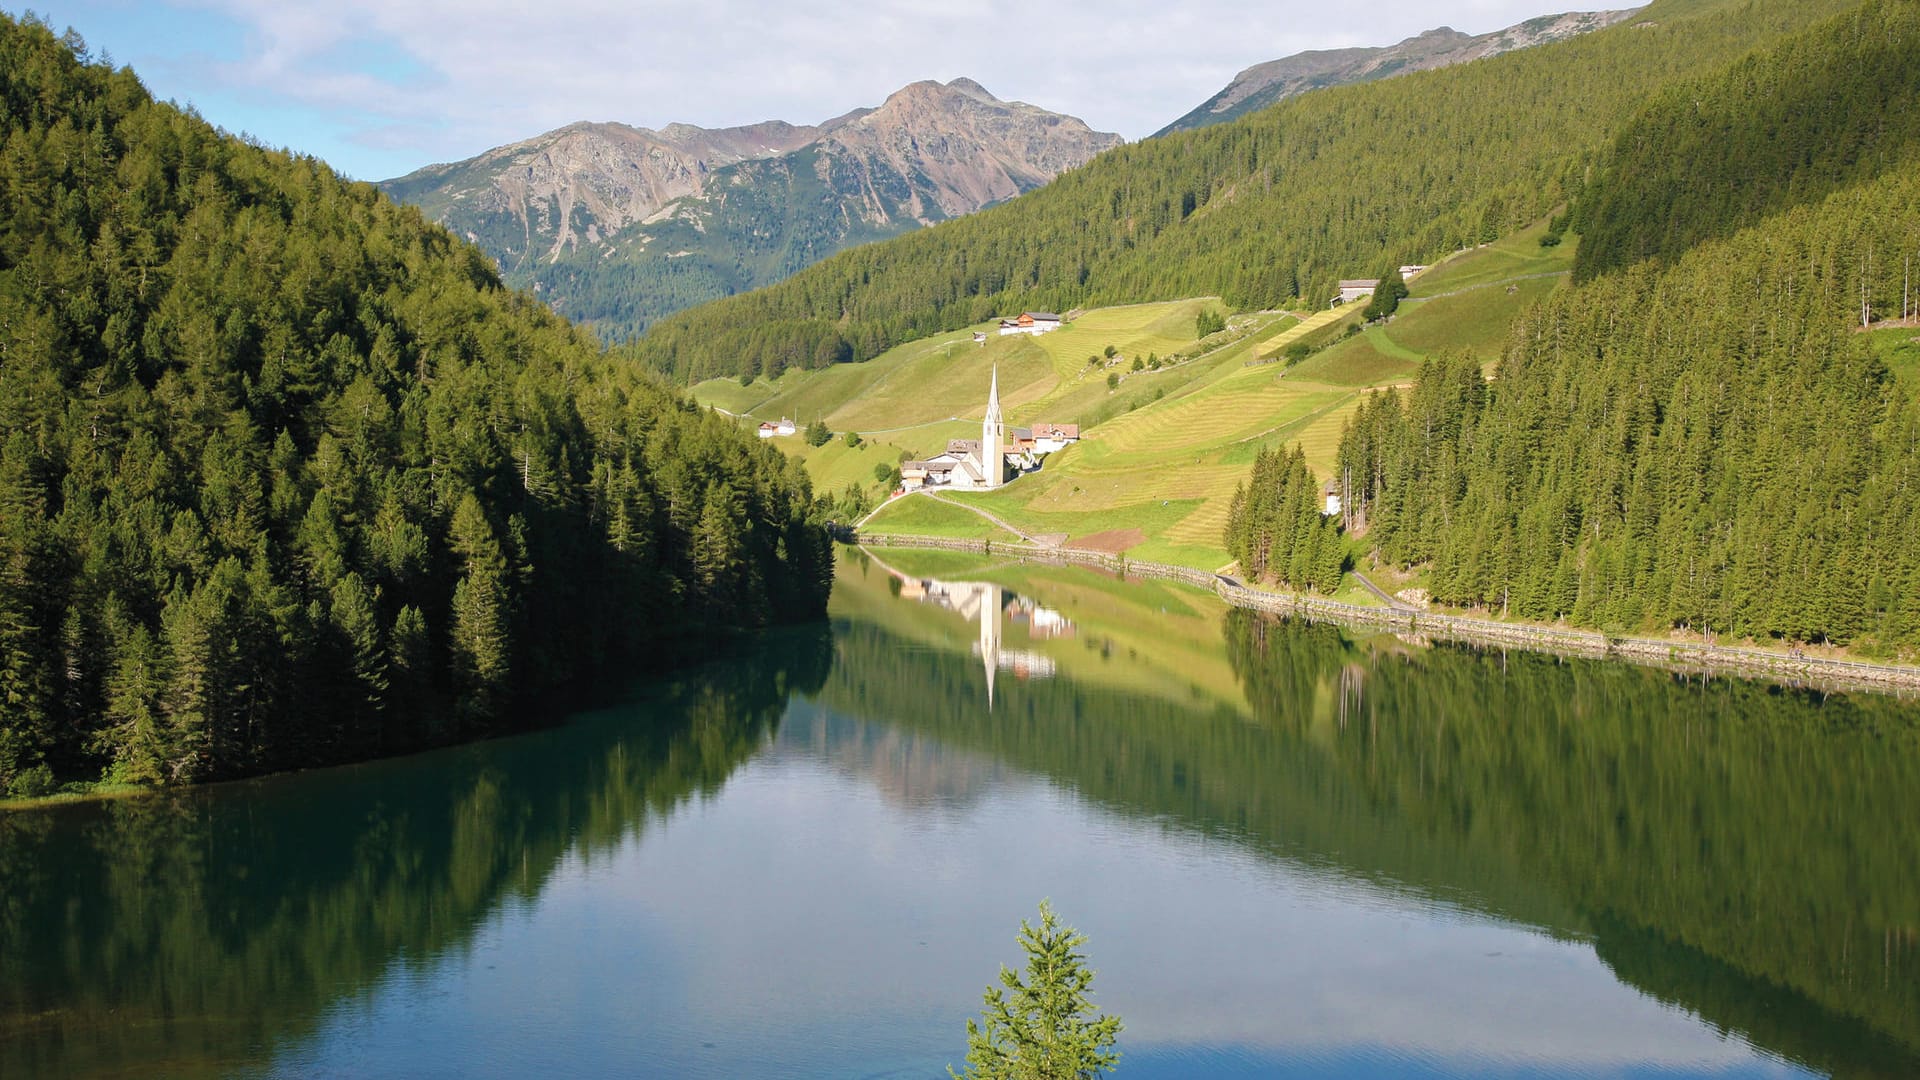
[
  {"x": 1352, "y": 289},
  {"x": 1031, "y": 322},
  {"x": 1052, "y": 438},
  {"x": 970, "y": 464}
]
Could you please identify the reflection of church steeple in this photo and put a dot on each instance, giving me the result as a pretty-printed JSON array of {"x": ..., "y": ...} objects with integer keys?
[{"x": 990, "y": 606}]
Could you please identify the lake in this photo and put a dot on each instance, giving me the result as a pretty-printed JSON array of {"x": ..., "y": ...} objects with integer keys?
[{"x": 1294, "y": 850}]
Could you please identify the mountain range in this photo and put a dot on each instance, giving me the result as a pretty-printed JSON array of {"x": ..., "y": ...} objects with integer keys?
[
  {"x": 1276, "y": 80},
  {"x": 616, "y": 226}
]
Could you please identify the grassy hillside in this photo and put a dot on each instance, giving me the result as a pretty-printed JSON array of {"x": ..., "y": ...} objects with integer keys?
[
  {"x": 917, "y": 396},
  {"x": 1466, "y": 302},
  {"x": 1161, "y": 465},
  {"x": 1338, "y": 183}
]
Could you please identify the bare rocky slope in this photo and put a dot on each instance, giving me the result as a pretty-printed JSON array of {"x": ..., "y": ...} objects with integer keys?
[
  {"x": 1263, "y": 84},
  {"x": 617, "y": 226}
]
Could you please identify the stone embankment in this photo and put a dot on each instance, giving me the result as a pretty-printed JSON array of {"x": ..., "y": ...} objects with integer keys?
[{"x": 1793, "y": 668}]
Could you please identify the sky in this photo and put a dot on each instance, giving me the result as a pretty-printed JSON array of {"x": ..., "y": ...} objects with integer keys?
[{"x": 378, "y": 88}]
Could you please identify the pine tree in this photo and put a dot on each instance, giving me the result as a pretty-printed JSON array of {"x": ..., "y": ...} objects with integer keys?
[
  {"x": 1043, "y": 1027},
  {"x": 481, "y": 655}
]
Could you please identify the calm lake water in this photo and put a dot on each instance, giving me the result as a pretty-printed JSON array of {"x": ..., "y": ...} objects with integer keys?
[{"x": 1295, "y": 852}]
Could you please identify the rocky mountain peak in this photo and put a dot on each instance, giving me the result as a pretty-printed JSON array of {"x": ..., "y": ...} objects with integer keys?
[
  {"x": 595, "y": 191},
  {"x": 1275, "y": 80}
]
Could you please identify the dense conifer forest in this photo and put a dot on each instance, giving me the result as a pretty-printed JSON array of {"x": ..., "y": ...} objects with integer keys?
[
  {"x": 287, "y": 477},
  {"x": 1278, "y": 205},
  {"x": 1696, "y": 436},
  {"x": 1275, "y": 527}
]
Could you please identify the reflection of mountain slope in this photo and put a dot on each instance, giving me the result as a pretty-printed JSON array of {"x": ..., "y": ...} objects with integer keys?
[
  {"x": 230, "y": 919},
  {"x": 1743, "y": 825},
  {"x": 1770, "y": 1015},
  {"x": 908, "y": 768}
]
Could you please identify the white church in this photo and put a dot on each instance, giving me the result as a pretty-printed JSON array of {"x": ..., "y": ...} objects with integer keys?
[{"x": 967, "y": 464}]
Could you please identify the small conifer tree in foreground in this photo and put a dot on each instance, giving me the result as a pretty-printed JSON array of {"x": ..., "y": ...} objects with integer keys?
[{"x": 1043, "y": 1027}]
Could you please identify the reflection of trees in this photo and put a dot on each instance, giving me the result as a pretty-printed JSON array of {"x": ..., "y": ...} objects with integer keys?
[
  {"x": 1731, "y": 847},
  {"x": 1200, "y": 763},
  {"x": 1751, "y": 829},
  {"x": 187, "y": 931}
]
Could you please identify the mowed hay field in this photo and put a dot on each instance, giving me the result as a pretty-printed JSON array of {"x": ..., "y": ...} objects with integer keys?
[
  {"x": 946, "y": 375},
  {"x": 1163, "y": 451},
  {"x": 1169, "y": 469}
]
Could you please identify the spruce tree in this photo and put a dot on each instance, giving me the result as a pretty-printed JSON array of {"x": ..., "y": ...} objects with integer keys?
[{"x": 1043, "y": 1027}]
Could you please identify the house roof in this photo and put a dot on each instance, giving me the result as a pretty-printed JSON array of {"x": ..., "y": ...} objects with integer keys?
[
  {"x": 1041, "y": 316},
  {"x": 1057, "y": 431},
  {"x": 1359, "y": 283}
]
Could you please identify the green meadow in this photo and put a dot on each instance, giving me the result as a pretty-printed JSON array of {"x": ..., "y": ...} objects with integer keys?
[{"x": 1162, "y": 450}]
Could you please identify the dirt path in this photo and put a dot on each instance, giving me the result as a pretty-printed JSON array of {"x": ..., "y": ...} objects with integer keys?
[
  {"x": 1368, "y": 584},
  {"x": 1050, "y": 540},
  {"x": 1041, "y": 540}
]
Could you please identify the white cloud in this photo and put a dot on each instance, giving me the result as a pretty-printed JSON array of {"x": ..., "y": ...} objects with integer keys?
[{"x": 478, "y": 73}]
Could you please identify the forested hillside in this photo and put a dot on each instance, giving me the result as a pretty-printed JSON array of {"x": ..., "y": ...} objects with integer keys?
[
  {"x": 1696, "y": 440},
  {"x": 1337, "y": 183},
  {"x": 1776, "y": 130},
  {"x": 288, "y": 477}
]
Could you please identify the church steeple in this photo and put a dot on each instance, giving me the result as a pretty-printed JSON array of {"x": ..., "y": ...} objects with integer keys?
[{"x": 993, "y": 436}]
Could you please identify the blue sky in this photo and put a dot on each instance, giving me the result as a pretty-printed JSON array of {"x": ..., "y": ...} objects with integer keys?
[{"x": 381, "y": 87}]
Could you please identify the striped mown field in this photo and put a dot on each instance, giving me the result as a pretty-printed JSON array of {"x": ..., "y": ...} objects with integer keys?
[{"x": 1162, "y": 450}]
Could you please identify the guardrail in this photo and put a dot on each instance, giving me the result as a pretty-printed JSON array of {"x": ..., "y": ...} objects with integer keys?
[{"x": 1692, "y": 656}]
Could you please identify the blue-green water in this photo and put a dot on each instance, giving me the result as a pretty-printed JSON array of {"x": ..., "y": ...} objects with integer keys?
[{"x": 1293, "y": 853}]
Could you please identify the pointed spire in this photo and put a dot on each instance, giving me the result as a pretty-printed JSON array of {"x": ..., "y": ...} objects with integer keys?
[{"x": 993, "y": 436}]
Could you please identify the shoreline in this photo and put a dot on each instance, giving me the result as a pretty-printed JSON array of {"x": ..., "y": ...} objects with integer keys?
[{"x": 1816, "y": 672}]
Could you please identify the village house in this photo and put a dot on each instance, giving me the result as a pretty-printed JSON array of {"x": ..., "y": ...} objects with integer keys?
[
  {"x": 1333, "y": 499},
  {"x": 1352, "y": 289},
  {"x": 1052, "y": 438},
  {"x": 1030, "y": 322},
  {"x": 768, "y": 429}
]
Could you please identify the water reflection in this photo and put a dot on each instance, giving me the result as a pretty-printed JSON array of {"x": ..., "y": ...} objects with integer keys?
[
  {"x": 1297, "y": 852},
  {"x": 192, "y": 934},
  {"x": 991, "y": 606}
]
